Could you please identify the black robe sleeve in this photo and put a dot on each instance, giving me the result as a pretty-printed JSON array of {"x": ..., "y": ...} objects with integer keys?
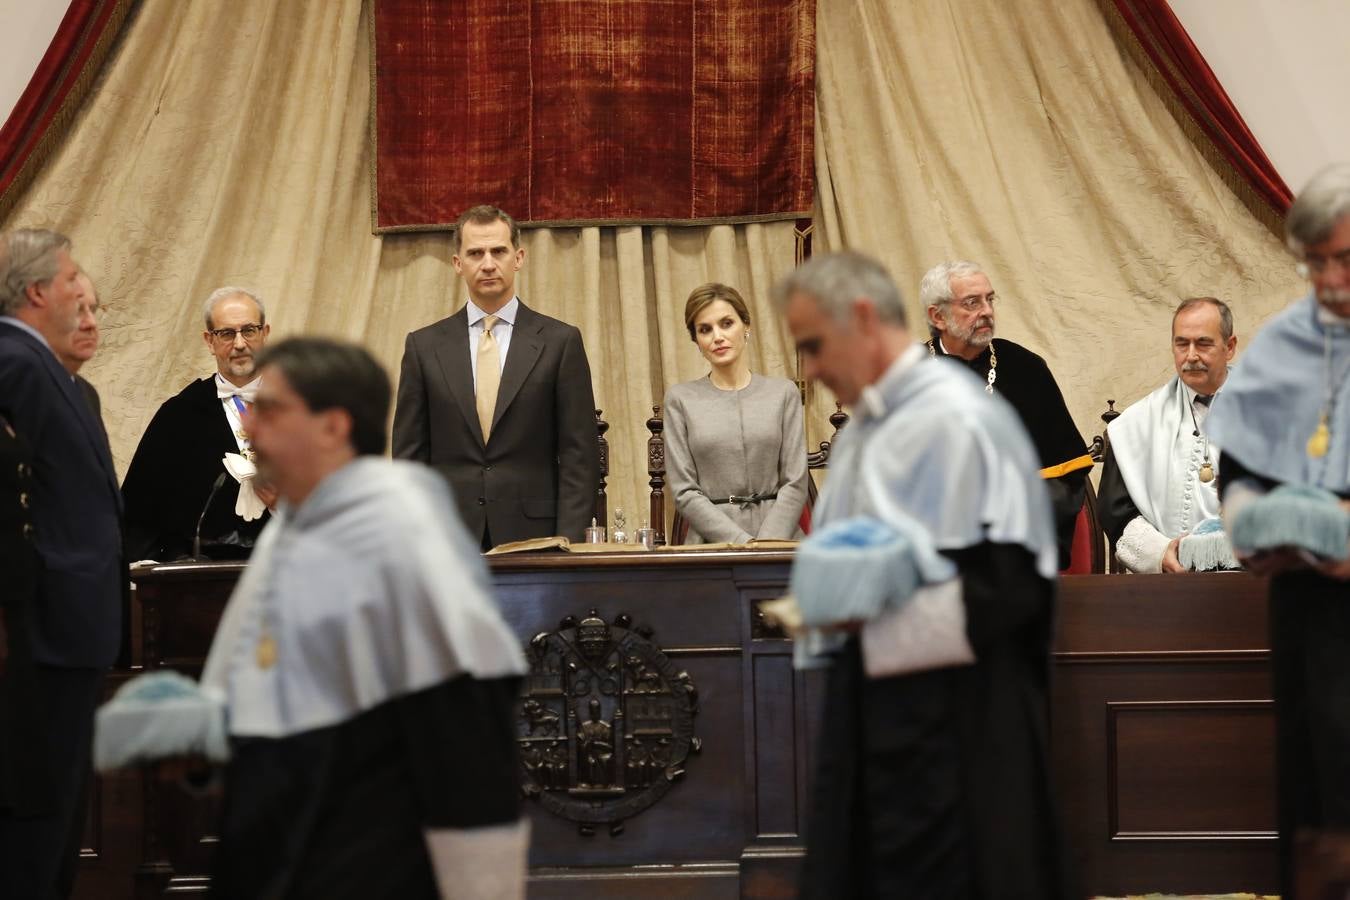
[
  {"x": 1232, "y": 470},
  {"x": 1040, "y": 404},
  {"x": 341, "y": 811},
  {"x": 913, "y": 765},
  {"x": 157, "y": 508},
  {"x": 1025, "y": 381},
  {"x": 1006, "y": 598},
  {"x": 1115, "y": 508},
  {"x": 460, "y": 742}
]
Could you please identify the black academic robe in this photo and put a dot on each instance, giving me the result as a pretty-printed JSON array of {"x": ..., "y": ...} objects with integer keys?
[
  {"x": 1310, "y": 650},
  {"x": 1115, "y": 506},
  {"x": 1025, "y": 381},
  {"x": 937, "y": 784},
  {"x": 171, "y": 476},
  {"x": 339, "y": 812}
]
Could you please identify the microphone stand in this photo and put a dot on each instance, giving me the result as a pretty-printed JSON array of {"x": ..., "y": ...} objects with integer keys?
[{"x": 197, "y": 534}]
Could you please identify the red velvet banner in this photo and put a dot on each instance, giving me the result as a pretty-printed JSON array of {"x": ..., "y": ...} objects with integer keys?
[
  {"x": 54, "y": 93},
  {"x": 567, "y": 112},
  {"x": 1192, "y": 91}
]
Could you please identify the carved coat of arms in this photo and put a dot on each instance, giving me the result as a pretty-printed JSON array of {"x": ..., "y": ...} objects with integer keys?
[{"x": 606, "y": 721}]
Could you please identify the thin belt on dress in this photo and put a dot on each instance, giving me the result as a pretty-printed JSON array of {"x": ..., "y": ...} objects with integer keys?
[{"x": 744, "y": 501}]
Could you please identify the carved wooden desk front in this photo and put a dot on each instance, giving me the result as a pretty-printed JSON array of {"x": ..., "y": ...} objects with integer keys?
[{"x": 688, "y": 775}]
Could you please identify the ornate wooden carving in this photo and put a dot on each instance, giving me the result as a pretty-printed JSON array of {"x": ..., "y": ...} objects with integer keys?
[
  {"x": 607, "y": 721},
  {"x": 656, "y": 468},
  {"x": 1098, "y": 448},
  {"x": 820, "y": 458},
  {"x": 601, "y": 499}
]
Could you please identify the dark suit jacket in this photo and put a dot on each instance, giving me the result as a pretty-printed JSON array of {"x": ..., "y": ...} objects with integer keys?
[
  {"x": 170, "y": 478},
  {"x": 76, "y": 508},
  {"x": 16, "y": 516},
  {"x": 539, "y": 472}
]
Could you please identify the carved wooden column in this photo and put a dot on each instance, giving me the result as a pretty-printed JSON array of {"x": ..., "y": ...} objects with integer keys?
[
  {"x": 820, "y": 458},
  {"x": 601, "y": 499},
  {"x": 656, "y": 468},
  {"x": 1099, "y": 443}
]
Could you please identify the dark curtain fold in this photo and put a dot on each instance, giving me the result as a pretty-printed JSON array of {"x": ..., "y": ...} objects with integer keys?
[
  {"x": 1177, "y": 69},
  {"x": 58, "y": 86}
]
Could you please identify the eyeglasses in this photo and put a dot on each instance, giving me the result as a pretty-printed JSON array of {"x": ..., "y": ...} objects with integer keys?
[
  {"x": 1315, "y": 264},
  {"x": 971, "y": 304},
  {"x": 227, "y": 335}
]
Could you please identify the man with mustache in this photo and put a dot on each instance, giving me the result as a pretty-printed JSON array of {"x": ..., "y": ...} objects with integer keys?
[
  {"x": 1284, "y": 422},
  {"x": 1159, "y": 478},
  {"x": 960, "y": 305},
  {"x": 183, "y": 452}
]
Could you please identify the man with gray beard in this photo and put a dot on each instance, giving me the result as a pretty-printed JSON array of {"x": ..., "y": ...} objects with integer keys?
[
  {"x": 179, "y": 486},
  {"x": 960, "y": 304}
]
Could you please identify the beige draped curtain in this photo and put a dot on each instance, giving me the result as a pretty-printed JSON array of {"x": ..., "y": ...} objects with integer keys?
[
  {"x": 1018, "y": 135},
  {"x": 228, "y": 144}
]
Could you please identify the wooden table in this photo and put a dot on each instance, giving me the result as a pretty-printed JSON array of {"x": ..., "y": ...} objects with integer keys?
[{"x": 1163, "y": 731}]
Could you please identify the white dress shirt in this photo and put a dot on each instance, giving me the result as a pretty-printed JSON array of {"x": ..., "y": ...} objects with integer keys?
[{"x": 232, "y": 412}]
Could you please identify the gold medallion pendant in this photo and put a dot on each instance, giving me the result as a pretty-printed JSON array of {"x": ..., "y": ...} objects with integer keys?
[
  {"x": 266, "y": 652},
  {"x": 1320, "y": 440},
  {"x": 1206, "y": 473}
]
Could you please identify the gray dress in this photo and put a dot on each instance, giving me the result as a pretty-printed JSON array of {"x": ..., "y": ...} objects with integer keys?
[{"x": 720, "y": 443}]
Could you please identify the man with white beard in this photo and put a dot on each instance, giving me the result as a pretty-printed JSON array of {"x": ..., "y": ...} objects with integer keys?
[{"x": 960, "y": 302}]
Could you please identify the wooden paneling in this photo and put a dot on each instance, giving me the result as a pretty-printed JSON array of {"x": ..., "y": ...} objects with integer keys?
[
  {"x": 1192, "y": 769},
  {"x": 1161, "y": 733},
  {"x": 777, "y": 806}
]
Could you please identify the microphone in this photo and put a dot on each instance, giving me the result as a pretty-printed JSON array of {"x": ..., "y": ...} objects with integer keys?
[{"x": 197, "y": 535}]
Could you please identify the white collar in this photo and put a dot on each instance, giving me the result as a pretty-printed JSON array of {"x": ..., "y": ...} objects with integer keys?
[
  {"x": 506, "y": 314},
  {"x": 871, "y": 400},
  {"x": 226, "y": 389}
]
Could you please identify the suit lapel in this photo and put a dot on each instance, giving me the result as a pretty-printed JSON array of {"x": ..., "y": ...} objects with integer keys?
[
  {"x": 93, "y": 431},
  {"x": 452, "y": 357},
  {"x": 526, "y": 344}
]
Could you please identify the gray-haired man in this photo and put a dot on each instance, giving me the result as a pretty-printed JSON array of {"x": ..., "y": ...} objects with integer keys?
[
  {"x": 1284, "y": 422},
  {"x": 911, "y": 796},
  {"x": 61, "y": 637}
]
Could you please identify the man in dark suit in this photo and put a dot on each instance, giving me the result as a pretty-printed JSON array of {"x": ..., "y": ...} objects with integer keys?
[
  {"x": 82, "y": 344},
  {"x": 498, "y": 398},
  {"x": 58, "y": 648}
]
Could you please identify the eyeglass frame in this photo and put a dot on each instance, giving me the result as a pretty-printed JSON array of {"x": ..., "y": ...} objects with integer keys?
[
  {"x": 227, "y": 335},
  {"x": 975, "y": 303},
  {"x": 1317, "y": 264}
]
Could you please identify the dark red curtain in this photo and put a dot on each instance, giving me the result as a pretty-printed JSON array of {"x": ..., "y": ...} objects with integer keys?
[
  {"x": 1179, "y": 65},
  {"x": 569, "y": 112},
  {"x": 44, "y": 111}
]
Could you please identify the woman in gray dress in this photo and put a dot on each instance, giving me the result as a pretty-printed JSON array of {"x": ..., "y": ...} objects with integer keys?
[{"x": 735, "y": 448}]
